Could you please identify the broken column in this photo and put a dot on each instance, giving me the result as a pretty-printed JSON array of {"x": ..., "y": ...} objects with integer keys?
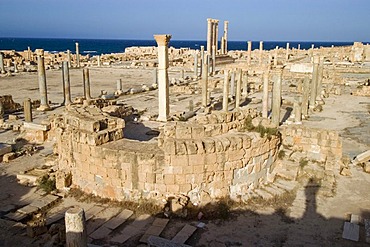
[
  {"x": 44, "y": 103},
  {"x": 225, "y": 99},
  {"x": 265, "y": 95},
  {"x": 27, "y": 108},
  {"x": 297, "y": 107},
  {"x": 226, "y": 28},
  {"x": 245, "y": 85},
  {"x": 320, "y": 77},
  {"x": 238, "y": 88},
  {"x": 305, "y": 96},
  {"x": 201, "y": 59},
  {"x": 213, "y": 60},
  {"x": 15, "y": 66},
  {"x": 209, "y": 35},
  {"x": 222, "y": 45},
  {"x": 276, "y": 55},
  {"x": 260, "y": 52},
  {"x": 314, "y": 82},
  {"x": 249, "y": 53},
  {"x": 2, "y": 69},
  {"x": 86, "y": 80},
  {"x": 77, "y": 55},
  {"x": 204, "y": 82},
  {"x": 276, "y": 97},
  {"x": 163, "y": 85},
  {"x": 196, "y": 64},
  {"x": 69, "y": 58},
  {"x": 99, "y": 62},
  {"x": 119, "y": 87},
  {"x": 75, "y": 223},
  {"x": 287, "y": 52},
  {"x": 66, "y": 84},
  {"x": 232, "y": 83}
]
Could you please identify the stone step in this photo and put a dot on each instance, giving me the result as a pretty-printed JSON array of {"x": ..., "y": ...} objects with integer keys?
[
  {"x": 155, "y": 229},
  {"x": 287, "y": 170},
  {"x": 275, "y": 191},
  {"x": 286, "y": 185},
  {"x": 92, "y": 211},
  {"x": 56, "y": 216},
  {"x": 135, "y": 228},
  {"x": 100, "y": 218},
  {"x": 162, "y": 242},
  {"x": 184, "y": 234},
  {"x": 264, "y": 194},
  {"x": 16, "y": 216},
  {"x": 45, "y": 201},
  {"x": 111, "y": 224}
]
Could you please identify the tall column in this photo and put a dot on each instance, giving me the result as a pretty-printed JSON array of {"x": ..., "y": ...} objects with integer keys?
[
  {"x": 2, "y": 68},
  {"x": 305, "y": 96},
  {"x": 27, "y": 108},
  {"x": 86, "y": 79},
  {"x": 299, "y": 47},
  {"x": 245, "y": 85},
  {"x": 15, "y": 66},
  {"x": 44, "y": 103},
  {"x": 216, "y": 35},
  {"x": 75, "y": 222},
  {"x": 314, "y": 82},
  {"x": 69, "y": 58},
  {"x": 225, "y": 99},
  {"x": 163, "y": 84},
  {"x": 232, "y": 83},
  {"x": 265, "y": 96},
  {"x": 77, "y": 55},
  {"x": 249, "y": 53},
  {"x": 276, "y": 56},
  {"x": 209, "y": 36},
  {"x": 201, "y": 59},
  {"x": 155, "y": 76},
  {"x": 319, "y": 76},
  {"x": 287, "y": 52},
  {"x": 260, "y": 52},
  {"x": 226, "y": 29},
  {"x": 196, "y": 64},
  {"x": 222, "y": 50},
  {"x": 66, "y": 84},
  {"x": 28, "y": 53},
  {"x": 213, "y": 59},
  {"x": 119, "y": 87},
  {"x": 276, "y": 98},
  {"x": 297, "y": 106},
  {"x": 205, "y": 81},
  {"x": 99, "y": 62},
  {"x": 238, "y": 88}
]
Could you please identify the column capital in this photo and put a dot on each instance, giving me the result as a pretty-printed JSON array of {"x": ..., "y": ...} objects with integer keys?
[
  {"x": 162, "y": 39},
  {"x": 40, "y": 52},
  {"x": 209, "y": 19}
]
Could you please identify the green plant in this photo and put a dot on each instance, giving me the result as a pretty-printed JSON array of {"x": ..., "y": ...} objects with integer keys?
[
  {"x": 281, "y": 154},
  {"x": 303, "y": 162},
  {"x": 248, "y": 123},
  {"x": 46, "y": 183}
]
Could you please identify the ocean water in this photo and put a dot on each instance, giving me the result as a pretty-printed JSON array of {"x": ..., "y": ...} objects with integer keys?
[{"x": 106, "y": 46}]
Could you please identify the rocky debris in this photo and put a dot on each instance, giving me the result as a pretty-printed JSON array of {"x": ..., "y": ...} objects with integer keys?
[
  {"x": 363, "y": 157},
  {"x": 346, "y": 172}
]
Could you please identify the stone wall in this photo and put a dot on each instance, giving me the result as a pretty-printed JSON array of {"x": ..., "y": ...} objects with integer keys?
[
  {"x": 187, "y": 159},
  {"x": 319, "y": 145}
]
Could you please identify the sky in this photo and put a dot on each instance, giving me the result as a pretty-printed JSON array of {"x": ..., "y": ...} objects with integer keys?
[{"x": 269, "y": 20}]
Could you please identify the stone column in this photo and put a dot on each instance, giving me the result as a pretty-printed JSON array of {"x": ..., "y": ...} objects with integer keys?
[
  {"x": 222, "y": 45},
  {"x": 155, "y": 76},
  {"x": 77, "y": 55},
  {"x": 245, "y": 85},
  {"x": 226, "y": 28},
  {"x": 69, "y": 58},
  {"x": 66, "y": 84},
  {"x": 196, "y": 64},
  {"x": 27, "y": 108},
  {"x": 265, "y": 96},
  {"x": 232, "y": 83},
  {"x": 225, "y": 99},
  {"x": 276, "y": 98},
  {"x": 305, "y": 96},
  {"x": 276, "y": 55},
  {"x": 213, "y": 59},
  {"x": 99, "y": 62},
  {"x": 2, "y": 68},
  {"x": 249, "y": 53},
  {"x": 261, "y": 53},
  {"x": 209, "y": 36},
  {"x": 29, "y": 53},
  {"x": 319, "y": 77},
  {"x": 201, "y": 59},
  {"x": 44, "y": 103},
  {"x": 163, "y": 84},
  {"x": 208, "y": 64},
  {"x": 297, "y": 106},
  {"x": 15, "y": 66},
  {"x": 205, "y": 82},
  {"x": 287, "y": 52},
  {"x": 299, "y": 47},
  {"x": 119, "y": 86},
  {"x": 86, "y": 79},
  {"x": 238, "y": 88},
  {"x": 314, "y": 82},
  {"x": 75, "y": 222},
  {"x": 216, "y": 36}
]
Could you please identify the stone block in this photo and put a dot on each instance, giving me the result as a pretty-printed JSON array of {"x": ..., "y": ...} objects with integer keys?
[
  {"x": 197, "y": 132},
  {"x": 173, "y": 188},
  {"x": 5, "y": 148},
  {"x": 8, "y": 157},
  {"x": 197, "y": 159},
  {"x": 351, "y": 231},
  {"x": 183, "y": 132},
  {"x": 179, "y": 160},
  {"x": 191, "y": 147},
  {"x": 209, "y": 145}
]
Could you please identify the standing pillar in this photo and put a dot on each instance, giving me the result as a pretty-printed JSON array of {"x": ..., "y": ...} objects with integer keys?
[
  {"x": 69, "y": 58},
  {"x": 276, "y": 55},
  {"x": 222, "y": 50},
  {"x": 27, "y": 108},
  {"x": 163, "y": 84},
  {"x": 201, "y": 59},
  {"x": 287, "y": 52},
  {"x": 245, "y": 85},
  {"x": 196, "y": 64},
  {"x": 44, "y": 103},
  {"x": 216, "y": 36},
  {"x": 276, "y": 98},
  {"x": 261, "y": 52},
  {"x": 320, "y": 77},
  {"x": 2, "y": 68},
  {"x": 305, "y": 96},
  {"x": 15, "y": 66},
  {"x": 297, "y": 106},
  {"x": 205, "y": 82},
  {"x": 75, "y": 222},
  {"x": 238, "y": 88},
  {"x": 66, "y": 84},
  {"x": 265, "y": 96},
  {"x": 77, "y": 55},
  {"x": 225, "y": 99},
  {"x": 209, "y": 36},
  {"x": 299, "y": 47},
  {"x": 226, "y": 29},
  {"x": 249, "y": 53},
  {"x": 155, "y": 76},
  {"x": 213, "y": 60},
  {"x": 86, "y": 79},
  {"x": 119, "y": 87},
  {"x": 314, "y": 82},
  {"x": 28, "y": 53},
  {"x": 99, "y": 62},
  {"x": 232, "y": 84}
]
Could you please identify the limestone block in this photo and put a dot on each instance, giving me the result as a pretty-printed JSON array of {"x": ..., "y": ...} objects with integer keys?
[
  {"x": 183, "y": 132},
  {"x": 197, "y": 131},
  {"x": 169, "y": 146},
  {"x": 8, "y": 157},
  {"x": 180, "y": 147},
  {"x": 367, "y": 167},
  {"x": 197, "y": 159},
  {"x": 209, "y": 145}
]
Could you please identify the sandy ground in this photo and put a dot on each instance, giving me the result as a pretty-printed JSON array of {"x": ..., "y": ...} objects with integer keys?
[{"x": 317, "y": 221}]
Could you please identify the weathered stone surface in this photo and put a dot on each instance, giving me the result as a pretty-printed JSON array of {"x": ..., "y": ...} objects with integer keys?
[
  {"x": 162, "y": 242},
  {"x": 184, "y": 234},
  {"x": 351, "y": 231},
  {"x": 155, "y": 229}
]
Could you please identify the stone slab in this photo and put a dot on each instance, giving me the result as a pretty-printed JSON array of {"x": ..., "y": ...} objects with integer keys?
[
  {"x": 155, "y": 229},
  {"x": 355, "y": 219},
  {"x": 363, "y": 157},
  {"x": 17, "y": 216},
  {"x": 264, "y": 194},
  {"x": 351, "y": 231},
  {"x": 367, "y": 230},
  {"x": 162, "y": 242},
  {"x": 91, "y": 212},
  {"x": 29, "y": 209},
  {"x": 5, "y": 148},
  {"x": 286, "y": 185},
  {"x": 184, "y": 234},
  {"x": 34, "y": 126},
  {"x": 119, "y": 219},
  {"x": 100, "y": 218},
  {"x": 274, "y": 190},
  {"x": 100, "y": 233}
]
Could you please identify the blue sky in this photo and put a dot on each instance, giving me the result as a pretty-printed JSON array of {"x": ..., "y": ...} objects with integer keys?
[{"x": 269, "y": 20}]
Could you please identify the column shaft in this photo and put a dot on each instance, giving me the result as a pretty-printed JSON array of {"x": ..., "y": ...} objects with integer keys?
[
  {"x": 305, "y": 95},
  {"x": 86, "y": 79},
  {"x": 44, "y": 103},
  {"x": 238, "y": 88},
  {"x": 205, "y": 81},
  {"x": 265, "y": 96},
  {"x": 225, "y": 100},
  {"x": 276, "y": 98},
  {"x": 77, "y": 55},
  {"x": 66, "y": 84}
]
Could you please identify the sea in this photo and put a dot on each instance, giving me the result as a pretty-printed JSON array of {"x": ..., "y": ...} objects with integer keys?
[{"x": 107, "y": 46}]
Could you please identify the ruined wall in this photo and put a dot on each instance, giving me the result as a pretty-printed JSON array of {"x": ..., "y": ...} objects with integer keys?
[
  {"x": 320, "y": 145},
  {"x": 197, "y": 159}
]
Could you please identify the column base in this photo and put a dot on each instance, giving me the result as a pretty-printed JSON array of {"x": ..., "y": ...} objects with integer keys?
[
  {"x": 43, "y": 108},
  {"x": 162, "y": 119}
]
